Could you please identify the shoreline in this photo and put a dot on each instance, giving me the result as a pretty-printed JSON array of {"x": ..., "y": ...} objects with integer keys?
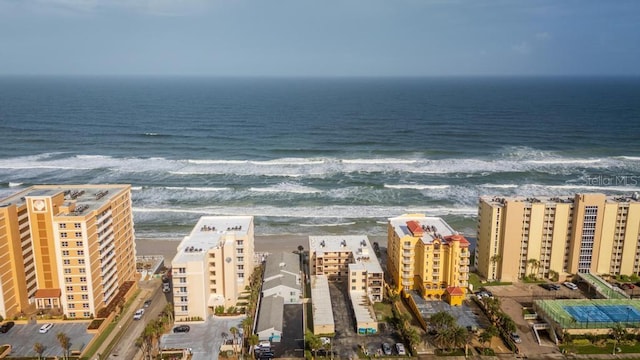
[{"x": 146, "y": 246}]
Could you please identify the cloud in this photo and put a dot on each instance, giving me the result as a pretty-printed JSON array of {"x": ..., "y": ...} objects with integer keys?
[
  {"x": 522, "y": 48},
  {"x": 543, "y": 36}
]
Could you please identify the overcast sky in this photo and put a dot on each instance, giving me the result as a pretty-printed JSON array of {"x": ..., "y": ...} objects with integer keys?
[{"x": 320, "y": 38}]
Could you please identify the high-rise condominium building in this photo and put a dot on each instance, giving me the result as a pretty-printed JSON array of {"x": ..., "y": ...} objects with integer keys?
[
  {"x": 67, "y": 247},
  {"x": 213, "y": 265},
  {"x": 426, "y": 255},
  {"x": 548, "y": 236}
]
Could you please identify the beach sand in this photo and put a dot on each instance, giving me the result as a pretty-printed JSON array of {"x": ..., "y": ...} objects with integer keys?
[{"x": 269, "y": 243}]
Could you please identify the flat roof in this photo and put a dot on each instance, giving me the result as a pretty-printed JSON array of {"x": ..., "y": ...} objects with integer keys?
[
  {"x": 321, "y": 300},
  {"x": 210, "y": 232},
  {"x": 361, "y": 309},
  {"x": 270, "y": 316},
  {"x": 86, "y": 197},
  {"x": 565, "y": 199},
  {"x": 431, "y": 227},
  {"x": 358, "y": 245}
]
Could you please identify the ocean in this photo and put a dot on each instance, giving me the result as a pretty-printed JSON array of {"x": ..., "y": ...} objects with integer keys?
[{"x": 320, "y": 156}]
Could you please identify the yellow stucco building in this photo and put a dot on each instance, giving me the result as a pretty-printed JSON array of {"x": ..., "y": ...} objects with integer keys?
[
  {"x": 426, "y": 255},
  {"x": 66, "y": 247},
  {"x": 544, "y": 236}
]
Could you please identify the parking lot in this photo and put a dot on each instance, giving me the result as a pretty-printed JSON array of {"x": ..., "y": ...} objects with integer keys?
[
  {"x": 205, "y": 338},
  {"x": 22, "y": 337}
]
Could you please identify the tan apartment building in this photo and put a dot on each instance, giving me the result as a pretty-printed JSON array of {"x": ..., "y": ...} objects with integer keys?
[
  {"x": 426, "y": 255},
  {"x": 213, "y": 265},
  {"x": 545, "y": 236},
  {"x": 66, "y": 247}
]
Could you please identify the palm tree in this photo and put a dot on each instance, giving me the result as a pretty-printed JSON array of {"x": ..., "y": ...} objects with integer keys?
[
  {"x": 65, "y": 344},
  {"x": 617, "y": 332},
  {"x": 441, "y": 320},
  {"x": 494, "y": 260},
  {"x": 459, "y": 337},
  {"x": 39, "y": 349},
  {"x": 444, "y": 338},
  {"x": 234, "y": 332},
  {"x": 313, "y": 342},
  {"x": 534, "y": 264},
  {"x": 253, "y": 341}
]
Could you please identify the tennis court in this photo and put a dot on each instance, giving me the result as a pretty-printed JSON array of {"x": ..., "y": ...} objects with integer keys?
[
  {"x": 596, "y": 313},
  {"x": 603, "y": 313}
]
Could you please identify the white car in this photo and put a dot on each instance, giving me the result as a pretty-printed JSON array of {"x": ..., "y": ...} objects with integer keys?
[
  {"x": 138, "y": 314},
  {"x": 325, "y": 340},
  {"x": 400, "y": 349},
  {"x": 45, "y": 328},
  {"x": 570, "y": 285}
]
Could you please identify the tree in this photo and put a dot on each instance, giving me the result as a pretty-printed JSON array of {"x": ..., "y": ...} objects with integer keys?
[
  {"x": 313, "y": 342},
  {"x": 441, "y": 320},
  {"x": 253, "y": 341},
  {"x": 234, "y": 332},
  {"x": 534, "y": 263},
  {"x": 65, "y": 344},
  {"x": 39, "y": 349},
  {"x": 617, "y": 332},
  {"x": 495, "y": 259},
  {"x": 444, "y": 338},
  {"x": 459, "y": 337}
]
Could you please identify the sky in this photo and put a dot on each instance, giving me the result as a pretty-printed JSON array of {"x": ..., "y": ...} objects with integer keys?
[{"x": 283, "y": 38}]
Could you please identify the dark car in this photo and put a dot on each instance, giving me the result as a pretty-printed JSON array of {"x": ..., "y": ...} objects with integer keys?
[
  {"x": 147, "y": 303},
  {"x": 6, "y": 326},
  {"x": 181, "y": 329}
]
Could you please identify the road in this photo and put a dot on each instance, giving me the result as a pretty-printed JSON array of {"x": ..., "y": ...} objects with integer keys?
[{"x": 131, "y": 329}]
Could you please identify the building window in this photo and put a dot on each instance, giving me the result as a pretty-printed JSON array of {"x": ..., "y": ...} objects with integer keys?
[
  {"x": 353, "y": 288},
  {"x": 69, "y": 288},
  {"x": 77, "y": 225},
  {"x": 69, "y": 297},
  {"x": 78, "y": 234},
  {"x": 72, "y": 314},
  {"x": 241, "y": 275},
  {"x": 83, "y": 270},
  {"x": 184, "y": 308},
  {"x": 240, "y": 259},
  {"x": 66, "y": 262},
  {"x": 83, "y": 279},
  {"x": 71, "y": 306},
  {"x": 62, "y": 226},
  {"x": 68, "y": 279},
  {"x": 86, "y": 314},
  {"x": 79, "y": 243},
  {"x": 63, "y": 235},
  {"x": 80, "y": 261},
  {"x": 85, "y": 305},
  {"x": 83, "y": 288},
  {"x": 353, "y": 280},
  {"x": 67, "y": 271},
  {"x": 240, "y": 267},
  {"x": 64, "y": 243},
  {"x": 85, "y": 297},
  {"x": 182, "y": 270},
  {"x": 183, "y": 298},
  {"x": 80, "y": 252}
]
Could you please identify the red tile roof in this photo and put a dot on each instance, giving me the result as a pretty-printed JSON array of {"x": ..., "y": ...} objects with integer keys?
[
  {"x": 463, "y": 242},
  {"x": 455, "y": 290},
  {"x": 47, "y": 293},
  {"x": 415, "y": 228}
]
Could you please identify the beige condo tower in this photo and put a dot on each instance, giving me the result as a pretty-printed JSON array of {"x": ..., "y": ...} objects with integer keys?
[
  {"x": 66, "y": 247},
  {"x": 549, "y": 236}
]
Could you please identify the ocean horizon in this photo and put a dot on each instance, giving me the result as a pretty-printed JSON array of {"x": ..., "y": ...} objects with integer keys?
[{"x": 320, "y": 155}]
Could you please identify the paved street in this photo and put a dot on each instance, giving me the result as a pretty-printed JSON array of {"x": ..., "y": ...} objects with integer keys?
[
  {"x": 204, "y": 339},
  {"x": 22, "y": 338}
]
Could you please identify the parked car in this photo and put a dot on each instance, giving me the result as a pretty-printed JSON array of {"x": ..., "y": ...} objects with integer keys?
[
  {"x": 181, "y": 329},
  {"x": 400, "y": 349},
  {"x": 516, "y": 338},
  {"x": 166, "y": 287},
  {"x": 45, "y": 328},
  {"x": 570, "y": 285},
  {"x": 386, "y": 348},
  {"x": 325, "y": 340},
  {"x": 138, "y": 314},
  {"x": 6, "y": 326},
  {"x": 147, "y": 303}
]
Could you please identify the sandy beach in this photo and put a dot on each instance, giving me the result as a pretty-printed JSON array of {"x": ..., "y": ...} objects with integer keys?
[{"x": 270, "y": 243}]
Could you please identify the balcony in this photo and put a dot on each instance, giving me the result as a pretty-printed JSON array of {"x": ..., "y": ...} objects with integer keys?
[
  {"x": 407, "y": 282},
  {"x": 464, "y": 269},
  {"x": 464, "y": 262},
  {"x": 406, "y": 247},
  {"x": 464, "y": 254},
  {"x": 464, "y": 276}
]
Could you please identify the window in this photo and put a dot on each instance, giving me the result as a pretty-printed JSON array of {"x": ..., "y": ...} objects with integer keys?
[
  {"x": 79, "y": 243},
  {"x": 183, "y": 298},
  {"x": 62, "y": 226},
  {"x": 240, "y": 259},
  {"x": 80, "y": 252},
  {"x": 66, "y": 262},
  {"x": 69, "y": 297},
  {"x": 85, "y": 305},
  {"x": 83, "y": 279},
  {"x": 69, "y": 288},
  {"x": 85, "y": 297},
  {"x": 72, "y": 314},
  {"x": 184, "y": 308},
  {"x": 353, "y": 288},
  {"x": 83, "y": 270},
  {"x": 78, "y": 234},
  {"x": 353, "y": 280},
  {"x": 182, "y": 270},
  {"x": 83, "y": 288},
  {"x": 80, "y": 261},
  {"x": 86, "y": 314},
  {"x": 68, "y": 279},
  {"x": 77, "y": 225},
  {"x": 67, "y": 271},
  {"x": 64, "y": 243},
  {"x": 71, "y": 306},
  {"x": 63, "y": 235}
]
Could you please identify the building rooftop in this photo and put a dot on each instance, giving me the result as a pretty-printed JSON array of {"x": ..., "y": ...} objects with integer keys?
[
  {"x": 428, "y": 228},
  {"x": 358, "y": 245},
  {"x": 212, "y": 232},
  {"x": 361, "y": 307},
  {"x": 321, "y": 301},
  {"x": 270, "y": 316},
  {"x": 567, "y": 199},
  {"x": 81, "y": 198},
  {"x": 282, "y": 269}
]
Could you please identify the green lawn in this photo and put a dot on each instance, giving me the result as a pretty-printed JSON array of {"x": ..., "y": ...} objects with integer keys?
[
  {"x": 383, "y": 311},
  {"x": 601, "y": 349}
]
